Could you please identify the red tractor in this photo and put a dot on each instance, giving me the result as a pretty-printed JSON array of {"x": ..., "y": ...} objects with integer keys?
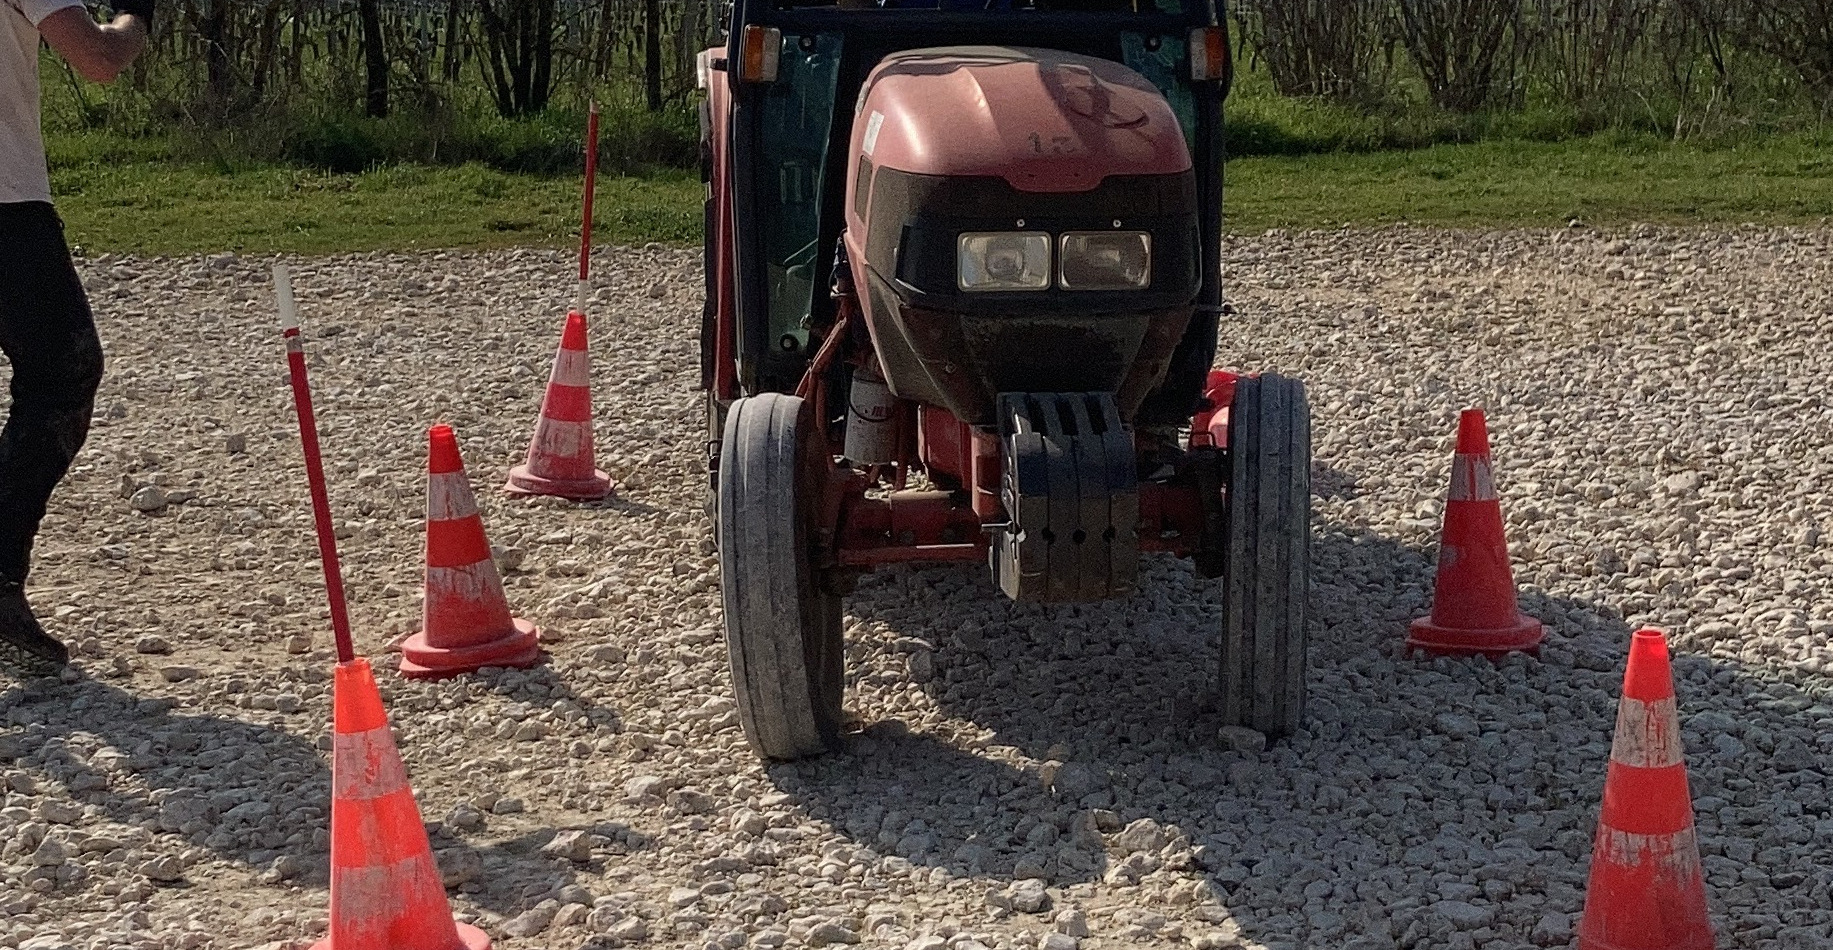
[{"x": 963, "y": 297}]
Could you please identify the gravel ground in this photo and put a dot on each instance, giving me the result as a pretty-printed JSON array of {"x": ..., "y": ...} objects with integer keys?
[{"x": 1027, "y": 777}]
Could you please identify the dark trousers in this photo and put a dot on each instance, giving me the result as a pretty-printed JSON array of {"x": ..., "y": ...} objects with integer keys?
[{"x": 48, "y": 333}]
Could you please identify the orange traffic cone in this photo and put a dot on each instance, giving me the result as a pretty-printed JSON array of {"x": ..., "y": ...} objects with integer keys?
[
  {"x": 1647, "y": 891},
  {"x": 560, "y": 457},
  {"x": 385, "y": 888},
  {"x": 465, "y": 622},
  {"x": 1474, "y": 610}
]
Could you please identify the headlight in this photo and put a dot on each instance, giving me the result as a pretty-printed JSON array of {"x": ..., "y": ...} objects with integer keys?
[
  {"x": 1015, "y": 260},
  {"x": 1106, "y": 260}
]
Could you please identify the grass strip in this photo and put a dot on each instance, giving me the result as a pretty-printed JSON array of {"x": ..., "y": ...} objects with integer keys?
[{"x": 142, "y": 205}]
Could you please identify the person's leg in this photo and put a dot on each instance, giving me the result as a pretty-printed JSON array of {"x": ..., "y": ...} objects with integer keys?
[{"x": 49, "y": 336}]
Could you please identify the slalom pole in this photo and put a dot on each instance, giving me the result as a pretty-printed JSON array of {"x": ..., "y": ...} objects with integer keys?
[
  {"x": 315, "y": 465},
  {"x": 585, "y": 228}
]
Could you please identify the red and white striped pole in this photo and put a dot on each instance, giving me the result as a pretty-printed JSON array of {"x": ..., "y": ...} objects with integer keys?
[
  {"x": 585, "y": 229},
  {"x": 315, "y": 466}
]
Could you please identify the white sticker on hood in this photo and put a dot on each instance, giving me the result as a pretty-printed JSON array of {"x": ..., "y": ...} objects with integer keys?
[{"x": 873, "y": 124}]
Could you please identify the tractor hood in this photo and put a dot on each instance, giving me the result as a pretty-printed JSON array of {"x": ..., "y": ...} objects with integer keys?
[
  {"x": 981, "y": 140},
  {"x": 1043, "y": 120}
]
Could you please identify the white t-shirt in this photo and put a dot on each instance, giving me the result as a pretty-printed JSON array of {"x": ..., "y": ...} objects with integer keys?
[{"x": 22, "y": 147}]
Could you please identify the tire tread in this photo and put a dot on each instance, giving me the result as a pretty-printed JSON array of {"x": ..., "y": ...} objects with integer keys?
[
  {"x": 782, "y": 627},
  {"x": 1267, "y": 569}
]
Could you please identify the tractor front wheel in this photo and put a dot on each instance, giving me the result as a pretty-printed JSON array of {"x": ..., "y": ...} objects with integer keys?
[
  {"x": 1267, "y": 556},
  {"x": 782, "y": 622}
]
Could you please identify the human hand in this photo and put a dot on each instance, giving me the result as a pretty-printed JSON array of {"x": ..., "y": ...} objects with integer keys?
[{"x": 143, "y": 9}]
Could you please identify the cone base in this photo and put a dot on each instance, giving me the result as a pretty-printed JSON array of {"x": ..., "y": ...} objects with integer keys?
[
  {"x": 1702, "y": 942},
  {"x": 522, "y": 482},
  {"x": 520, "y": 647},
  {"x": 1523, "y": 637},
  {"x": 469, "y": 938}
]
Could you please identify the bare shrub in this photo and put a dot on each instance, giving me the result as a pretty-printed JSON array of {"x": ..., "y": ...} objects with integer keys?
[
  {"x": 1694, "y": 27},
  {"x": 1466, "y": 50},
  {"x": 1338, "y": 49},
  {"x": 1798, "y": 32},
  {"x": 1589, "y": 45},
  {"x": 519, "y": 35}
]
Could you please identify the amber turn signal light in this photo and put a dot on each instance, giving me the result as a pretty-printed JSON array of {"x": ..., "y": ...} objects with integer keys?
[
  {"x": 762, "y": 46},
  {"x": 1209, "y": 58}
]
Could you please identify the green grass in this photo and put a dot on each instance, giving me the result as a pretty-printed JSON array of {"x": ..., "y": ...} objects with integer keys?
[
  {"x": 134, "y": 202},
  {"x": 171, "y": 208},
  {"x": 1605, "y": 180}
]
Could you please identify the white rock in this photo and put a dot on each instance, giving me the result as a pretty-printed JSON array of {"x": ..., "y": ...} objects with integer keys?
[
  {"x": 572, "y": 845},
  {"x": 630, "y": 929},
  {"x": 164, "y": 869},
  {"x": 1242, "y": 739},
  {"x": 458, "y": 866},
  {"x": 50, "y": 853},
  {"x": 1142, "y": 834},
  {"x": 1028, "y": 897},
  {"x": 533, "y": 921},
  {"x": 1464, "y": 916},
  {"x": 828, "y": 932},
  {"x": 1553, "y": 929}
]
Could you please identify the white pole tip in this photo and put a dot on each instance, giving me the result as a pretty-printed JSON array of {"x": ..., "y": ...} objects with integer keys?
[{"x": 283, "y": 295}]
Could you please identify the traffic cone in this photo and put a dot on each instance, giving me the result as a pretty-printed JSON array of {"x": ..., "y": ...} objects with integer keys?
[
  {"x": 386, "y": 892},
  {"x": 560, "y": 457},
  {"x": 1474, "y": 610},
  {"x": 465, "y": 622},
  {"x": 1647, "y": 891}
]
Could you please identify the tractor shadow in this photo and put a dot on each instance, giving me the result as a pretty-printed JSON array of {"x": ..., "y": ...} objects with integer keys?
[{"x": 1107, "y": 712}]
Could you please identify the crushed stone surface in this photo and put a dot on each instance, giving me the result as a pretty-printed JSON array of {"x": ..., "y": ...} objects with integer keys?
[{"x": 1037, "y": 778}]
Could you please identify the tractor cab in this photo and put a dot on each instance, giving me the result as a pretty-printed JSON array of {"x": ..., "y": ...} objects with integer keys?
[
  {"x": 784, "y": 104},
  {"x": 963, "y": 289}
]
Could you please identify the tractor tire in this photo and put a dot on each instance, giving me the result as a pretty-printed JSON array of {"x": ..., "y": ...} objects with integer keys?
[
  {"x": 782, "y": 621},
  {"x": 1267, "y": 556}
]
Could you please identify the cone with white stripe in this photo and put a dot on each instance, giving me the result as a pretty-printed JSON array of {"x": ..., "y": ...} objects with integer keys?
[
  {"x": 1474, "y": 606},
  {"x": 1647, "y": 890},
  {"x": 560, "y": 458},
  {"x": 386, "y": 892},
  {"x": 465, "y": 621}
]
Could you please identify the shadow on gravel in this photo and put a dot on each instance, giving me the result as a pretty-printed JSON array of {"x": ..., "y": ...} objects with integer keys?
[
  {"x": 545, "y": 684},
  {"x": 212, "y": 780},
  {"x": 509, "y": 877},
  {"x": 621, "y": 504},
  {"x": 1407, "y": 766},
  {"x": 1330, "y": 482},
  {"x": 910, "y": 795},
  {"x": 253, "y": 794}
]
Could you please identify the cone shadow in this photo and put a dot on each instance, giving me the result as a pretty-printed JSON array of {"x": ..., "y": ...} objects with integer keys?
[{"x": 510, "y": 875}]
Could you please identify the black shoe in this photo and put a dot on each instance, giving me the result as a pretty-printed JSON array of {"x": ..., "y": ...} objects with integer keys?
[{"x": 19, "y": 628}]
